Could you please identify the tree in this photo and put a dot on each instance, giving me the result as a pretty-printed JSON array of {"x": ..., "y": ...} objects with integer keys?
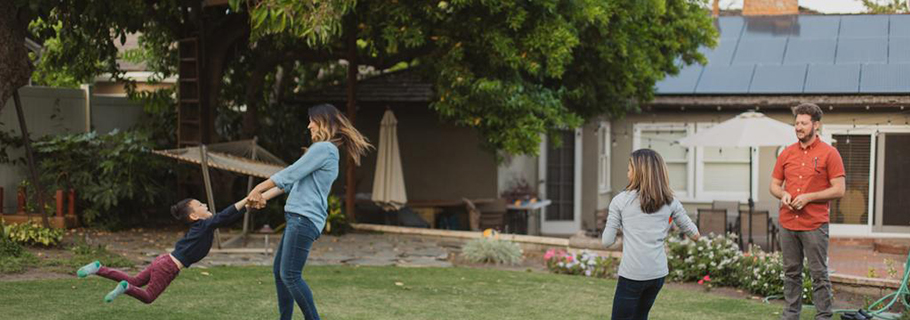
[
  {"x": 14, "y": 65},
  {"x": 885, "y": 7},
  {"x": 516, "y": 69}
]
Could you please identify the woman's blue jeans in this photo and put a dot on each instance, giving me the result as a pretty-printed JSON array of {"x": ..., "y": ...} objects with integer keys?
[
  {"x": 299, "y": 235},
  {"x": 633, "y": 299}
]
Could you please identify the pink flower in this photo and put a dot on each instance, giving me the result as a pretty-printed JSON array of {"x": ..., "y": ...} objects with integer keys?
[
  {"x": 707, "y": 278},
  {"x": 702, "y": 281},
  {"x": 549, "y": 255},
  {"x": 569, "y": 258}
]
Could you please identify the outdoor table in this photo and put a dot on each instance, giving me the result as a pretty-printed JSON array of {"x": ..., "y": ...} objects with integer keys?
[{"x": 526, "y": 222}]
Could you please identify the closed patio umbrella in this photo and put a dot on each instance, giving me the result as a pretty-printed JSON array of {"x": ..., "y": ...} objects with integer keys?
[
  {"x": 388, "y": 181},
  {"x": 749, "y": 129}
]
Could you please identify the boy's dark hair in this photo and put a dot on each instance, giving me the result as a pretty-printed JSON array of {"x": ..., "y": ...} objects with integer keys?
[
  {"x": 810, "y": 109},
  {"x": 181, "y": 211}
]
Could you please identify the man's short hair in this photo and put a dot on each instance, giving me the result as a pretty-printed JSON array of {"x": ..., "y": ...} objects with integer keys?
[{"x": 810, "y": 109}]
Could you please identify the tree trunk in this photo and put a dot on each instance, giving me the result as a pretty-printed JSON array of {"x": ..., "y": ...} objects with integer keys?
[
  {"x": 253, "y": 97},
  {"x": 351, "y": 185},
  {"x": 219, "y": 40},
  {"x": 15, "y": 69}
]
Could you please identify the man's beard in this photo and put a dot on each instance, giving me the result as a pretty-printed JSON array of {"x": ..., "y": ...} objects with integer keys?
[{"x": 808, "y": 136}]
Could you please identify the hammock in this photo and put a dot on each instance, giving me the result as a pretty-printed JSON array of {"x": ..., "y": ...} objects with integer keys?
[{"x": 243, "y": 157}]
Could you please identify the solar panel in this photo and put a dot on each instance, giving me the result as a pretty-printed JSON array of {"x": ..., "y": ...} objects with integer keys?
[
  {"x": 864, "y": 26},
  {"x": 862, "y": 50},
  {"x": 684, "y": 82},
  {"x": 885, "y": 78},
  {"x": 899, "y": 50},
  {"x": 832, "y": 79},
  {"x": 778, "y": 79},
  {"x": 810, "y": 51},
  {"x": 760, "y": 51},
  {"x": 722, "y": 54},
  {"x": 816, "y": 27},
  {"x": 729, "y": 27},
  {"x": 900, "y": 26},
  {"x": 768, "y": 26},
  {"x": 725, "y": 79}
]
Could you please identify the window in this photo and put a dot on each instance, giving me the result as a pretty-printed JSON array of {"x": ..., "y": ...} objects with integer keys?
[
  {"x": 855, "y": 150},
  {"x": 722, "y": 173},
  {"x": 604, "y": 144},
  {"x": 662, "y": 137},
  {"x": 702, "y": 174}
]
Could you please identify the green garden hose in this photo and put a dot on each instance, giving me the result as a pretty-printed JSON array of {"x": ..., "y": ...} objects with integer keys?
[{"x": 902, "y": 294}]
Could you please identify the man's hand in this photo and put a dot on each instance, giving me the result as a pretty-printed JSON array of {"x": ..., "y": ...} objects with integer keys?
[
  {"x": 786, "y": 199},
  {"x": 801, "y": 201}
]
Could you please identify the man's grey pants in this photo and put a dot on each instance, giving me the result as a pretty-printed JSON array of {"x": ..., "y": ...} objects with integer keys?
[{"x": 813, "y": 245}]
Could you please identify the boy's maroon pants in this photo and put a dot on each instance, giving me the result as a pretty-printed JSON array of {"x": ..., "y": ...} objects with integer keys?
[{"x": 157, "y": 276}]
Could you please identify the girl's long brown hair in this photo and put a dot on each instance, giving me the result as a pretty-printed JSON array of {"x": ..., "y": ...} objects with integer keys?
[
  {"x": 650, "y": 179},
  {"x": 333, "y": 126}
]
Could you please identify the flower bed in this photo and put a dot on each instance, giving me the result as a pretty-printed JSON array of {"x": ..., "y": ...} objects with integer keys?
[{"x": 585, "y": 263}]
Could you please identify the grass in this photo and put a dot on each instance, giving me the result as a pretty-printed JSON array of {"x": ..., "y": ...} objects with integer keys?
[
  {"x": 82, "y": 254},
  {"x": 344, "y": 292},
  {"x": 17, "y": 264}
]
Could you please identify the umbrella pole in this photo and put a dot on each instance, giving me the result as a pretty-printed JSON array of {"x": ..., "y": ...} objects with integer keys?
[{"x": 751, "y": 202}]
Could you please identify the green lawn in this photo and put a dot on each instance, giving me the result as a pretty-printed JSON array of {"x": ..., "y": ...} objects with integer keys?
[{"x": 365, "y": 293}]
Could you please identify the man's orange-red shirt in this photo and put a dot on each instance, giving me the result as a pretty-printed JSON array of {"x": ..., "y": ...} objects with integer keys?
[{"x": 807, "y": 170}]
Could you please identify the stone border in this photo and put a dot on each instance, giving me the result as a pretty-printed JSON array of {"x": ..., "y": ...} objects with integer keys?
[
  {"x": 528, "y": 243},
  {"x": 863, "y": 286},
  {"x": 860, "y": 285},
  {"x": 558, "y": 242}
]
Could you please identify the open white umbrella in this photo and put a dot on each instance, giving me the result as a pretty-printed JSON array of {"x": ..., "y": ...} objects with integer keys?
[
  {"x": 388, "y": 181},
  {"x": 748, "y": 129}
]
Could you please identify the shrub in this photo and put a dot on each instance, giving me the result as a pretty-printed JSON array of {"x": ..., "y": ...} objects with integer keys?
[
  {"x": 716, "y": 256},
  {"x": 584, "y": 263},
  {"x": 13, "y": 257},
  {"x": 32, "y": 233},
  {"x": 115, "y": 175},
  {"x": 336, "y": 223},
  {"x": 489, "y": 250},
  {"x": 762, "y": 274}
]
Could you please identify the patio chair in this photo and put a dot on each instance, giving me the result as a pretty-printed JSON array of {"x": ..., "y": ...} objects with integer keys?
[
  {"x": 761, "y": 230},
  {"x": 487, "y": 215},
  {"x": 712, "y": 221},
  {"x": 732, "y": 209},
  {"x": 773, "y": 208}
]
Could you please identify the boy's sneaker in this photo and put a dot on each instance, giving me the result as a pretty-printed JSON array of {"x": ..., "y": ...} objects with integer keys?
[
  {"x": 91, "y": 268},
  {"x": 120, "y": 289}
]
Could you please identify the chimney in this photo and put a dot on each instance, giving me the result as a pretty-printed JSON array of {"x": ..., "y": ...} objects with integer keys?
[{"x": 770, "y": 7}]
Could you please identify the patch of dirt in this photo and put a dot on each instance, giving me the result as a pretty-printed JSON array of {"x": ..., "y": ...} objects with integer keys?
[{"x": 527, "y": 264}]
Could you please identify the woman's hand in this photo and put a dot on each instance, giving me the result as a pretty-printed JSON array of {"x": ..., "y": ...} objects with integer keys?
[{"x": 256, "y": 201}]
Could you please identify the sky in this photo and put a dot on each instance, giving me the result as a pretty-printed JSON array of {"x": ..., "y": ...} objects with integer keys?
[{"x": 823, "y": 6}]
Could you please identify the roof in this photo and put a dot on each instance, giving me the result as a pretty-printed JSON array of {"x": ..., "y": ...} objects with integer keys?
[
  {"x": 801, "y": 55},
  {"x": 399, "y": 86}
]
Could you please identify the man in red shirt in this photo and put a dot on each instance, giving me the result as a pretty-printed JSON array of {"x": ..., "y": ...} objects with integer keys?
[{"x": 807, "y": 175}]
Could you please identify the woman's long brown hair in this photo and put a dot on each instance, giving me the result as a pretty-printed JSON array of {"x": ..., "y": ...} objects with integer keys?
[
  {"x": 333, "y": 126},
  {"x": 650, "y": 179}
]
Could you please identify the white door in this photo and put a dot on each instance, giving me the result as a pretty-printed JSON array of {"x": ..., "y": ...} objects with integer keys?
[{"x": 559, "y": 169}]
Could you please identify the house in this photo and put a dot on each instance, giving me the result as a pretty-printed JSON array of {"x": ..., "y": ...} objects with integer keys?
[
  {"x": 854, "y": 66},
  {"x": 444, "y": 163}
]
